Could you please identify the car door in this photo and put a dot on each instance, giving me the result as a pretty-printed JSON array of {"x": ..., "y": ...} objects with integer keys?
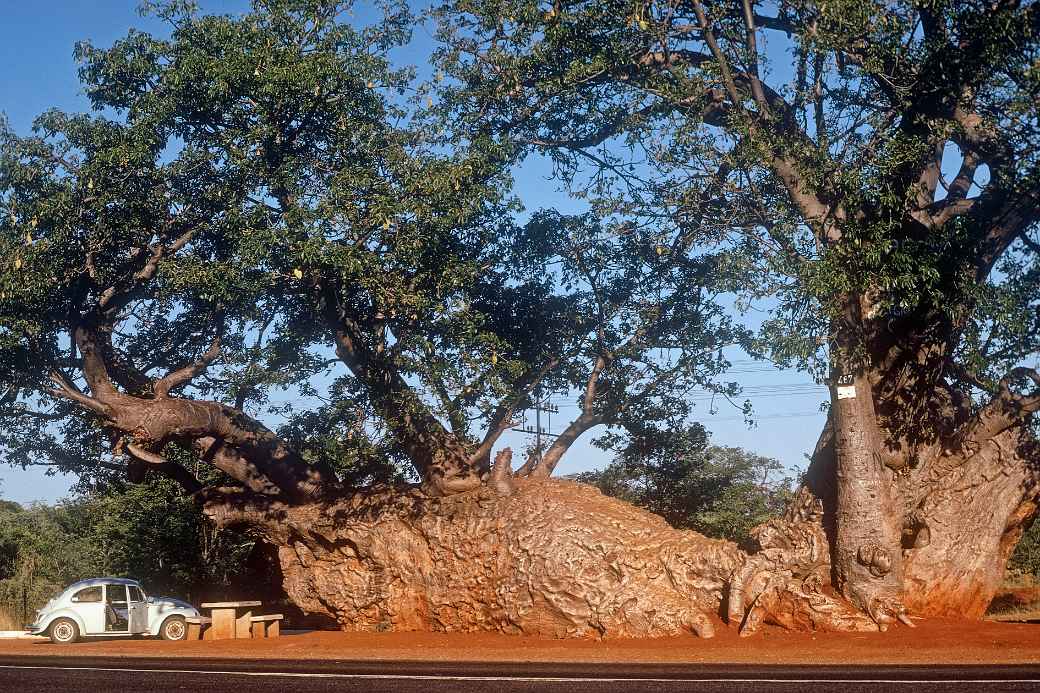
[
  {"x": 117, "y": 611},
  {"x": 138, "y": 610},
  {"x": 89, "y": 605}
]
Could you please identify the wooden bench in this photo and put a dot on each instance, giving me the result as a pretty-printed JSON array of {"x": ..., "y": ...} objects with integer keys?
[
  {"x": 196, "y": 625},
  {"x": 266, "y": 626}
]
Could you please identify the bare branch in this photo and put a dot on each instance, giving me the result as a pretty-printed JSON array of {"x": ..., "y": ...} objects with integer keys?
[
  {"x": 965, "y": 177},
  {"x": 752, "y": 48},
  {"x": 66, "y": 390},
  {"x": 720, "y": 58},
  {"x": 1030, "y": 243},
  {"x": 563, "y": 442},
  {"x": 146, "y": 456},
  {"x": 174, "y": 471},
  {"x": 115, "y": 297},
  {"x": 31, "y": 413},
  {"x": 1014, "y": 214},
  {"x": 230, "y": 461},
  {"x": 501, "y": 420},
  {"x": 94, "y": 369},
  {"x": 1005, "y": 410},
  {"x": 185, "y": 375},
  {"x": 938, "y": 213}
]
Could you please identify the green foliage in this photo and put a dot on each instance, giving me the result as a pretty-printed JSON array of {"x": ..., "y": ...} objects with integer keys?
[
  {"x": 272, "y": 159},
  {"x": 42, "y": 549},
  {"x": 152, "y": 532},
  {"x": 275, "y": 179},
  {"x": 721, "y": 492},
  {"x": 147, "y": 531},
  {"x": 879, "y": 149},
  {"x": 1026, "y": 558}
]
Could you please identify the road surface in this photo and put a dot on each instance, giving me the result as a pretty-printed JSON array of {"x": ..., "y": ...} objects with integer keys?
[{"x": 110, "y": 674}]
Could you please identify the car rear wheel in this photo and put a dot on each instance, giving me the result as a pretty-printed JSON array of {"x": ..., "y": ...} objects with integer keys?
[
  {"x": 174, "y": 628},
  {"x": 63, "y": 631}
]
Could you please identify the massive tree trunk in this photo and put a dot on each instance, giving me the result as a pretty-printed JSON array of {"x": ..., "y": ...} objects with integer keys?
[
  {"x": 867, "y": 558},
  {"x": 961, "y": 512},
  {"x": 974, "y": 506},
  {"x": 536, "y": 556},
  {"x": 877, "y": 532}
]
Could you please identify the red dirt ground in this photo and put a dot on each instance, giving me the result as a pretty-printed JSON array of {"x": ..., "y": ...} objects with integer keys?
[{"x": 933, "y": 641}]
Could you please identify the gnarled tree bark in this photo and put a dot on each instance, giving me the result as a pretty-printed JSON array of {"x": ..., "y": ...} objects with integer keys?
[{"x": 877, "y": 533}]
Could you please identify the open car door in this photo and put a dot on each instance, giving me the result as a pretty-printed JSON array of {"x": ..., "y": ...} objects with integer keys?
[
  {"x": 138, "y": 610},
  {"x": 117, "y": 613}
]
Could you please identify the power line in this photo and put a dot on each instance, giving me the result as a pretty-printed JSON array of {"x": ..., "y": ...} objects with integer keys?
[
  {"x": 540, "y": 405},
  {"x": 791, "y": 415}
]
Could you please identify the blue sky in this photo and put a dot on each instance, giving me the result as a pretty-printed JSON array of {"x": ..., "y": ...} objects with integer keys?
[{"x": 36, "y": 44}]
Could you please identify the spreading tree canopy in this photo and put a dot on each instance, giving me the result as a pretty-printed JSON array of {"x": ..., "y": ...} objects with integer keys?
[
  {"x": 879, "y": 164},
  {"x": 266, "y": 202}
]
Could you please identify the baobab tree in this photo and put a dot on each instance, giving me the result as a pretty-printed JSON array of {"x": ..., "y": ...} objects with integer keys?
[
  {"x": 257, "y": 204},
  {"x": 884, "y": 159},
  {"x": 267, "y": 204}
]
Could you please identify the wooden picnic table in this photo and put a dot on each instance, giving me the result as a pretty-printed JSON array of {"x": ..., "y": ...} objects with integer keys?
[{"x": 230, "y": 619}]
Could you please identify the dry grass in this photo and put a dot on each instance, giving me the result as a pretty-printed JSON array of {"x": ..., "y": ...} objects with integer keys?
[
  {"x": 8, "y": 621},
  {"x": 1017, "y": 600}
]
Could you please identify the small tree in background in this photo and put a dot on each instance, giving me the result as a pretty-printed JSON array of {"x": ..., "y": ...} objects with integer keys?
[
  {"x": 1026, "y": 558},
  {"x": 722, "y": 492},
  {"x": 42, "y": 549}
]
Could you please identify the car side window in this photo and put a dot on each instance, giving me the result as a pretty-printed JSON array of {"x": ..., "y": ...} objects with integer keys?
[
  {"x": 116, "y": 593},
  {"x": 135, "y": 594},
  {"x": 88, "y": 594}
]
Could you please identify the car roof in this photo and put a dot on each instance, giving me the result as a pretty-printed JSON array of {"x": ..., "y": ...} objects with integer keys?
[{"x": 91, "y": 582}]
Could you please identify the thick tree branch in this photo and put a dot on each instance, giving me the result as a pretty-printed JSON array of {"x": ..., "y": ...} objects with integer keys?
[
  {"x": 1005, "y": 410},
  {"x": 752, "y": 49},
  {"x": 66, "y": 390},
  {"x": 155, "y": 422},
  {"x": 586, "y": 420},
  {"x": 441, "y": 461},
  {"x": 502, "y": 418},
  {"x": 186, "y": 374},
  {"x": 94, "y": 369},
  {"x": 1015, "y": 213},
  {"x": 936, "y": 214},
  {"x": 965, "y": 177},
  {"x": 231, "y": 462},
  {"x": 114, "y": 298},
  {"x": 174, "y": 471}
]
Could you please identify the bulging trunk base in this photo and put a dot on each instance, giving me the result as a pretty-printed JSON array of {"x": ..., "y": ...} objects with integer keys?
[{"x": 551, "y": 558}]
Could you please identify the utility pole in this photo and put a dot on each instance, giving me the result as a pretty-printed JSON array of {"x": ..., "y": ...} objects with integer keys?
[{"x": 540, "y": 405}]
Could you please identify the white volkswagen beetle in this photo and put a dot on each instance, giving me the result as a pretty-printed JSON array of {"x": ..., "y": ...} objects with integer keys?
[{"x": 107, "y": 607}]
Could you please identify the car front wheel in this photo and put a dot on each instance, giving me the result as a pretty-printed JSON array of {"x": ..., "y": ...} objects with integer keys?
[
  {"x": 63, "y": 631},
  {"x": 174, "y": 628}
]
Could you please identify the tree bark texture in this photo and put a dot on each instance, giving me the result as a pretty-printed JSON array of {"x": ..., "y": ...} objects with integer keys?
[
  {"x": 975, "y": 506},
  {"x": 962, "y": 514},
  {"x": 548, "y": 557},
  {"x": 867, "y": 558},
  {"x": 881, "y": 530}
]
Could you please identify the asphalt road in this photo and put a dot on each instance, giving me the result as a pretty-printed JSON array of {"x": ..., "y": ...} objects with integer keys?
[{"x": 104, "y": 675}]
